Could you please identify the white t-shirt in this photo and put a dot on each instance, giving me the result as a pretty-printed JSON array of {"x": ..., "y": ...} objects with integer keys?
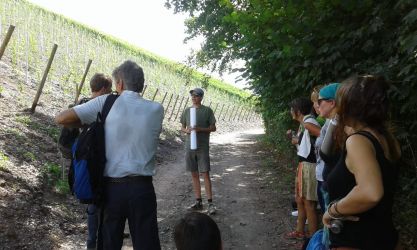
[
  {"x": 132, "y": 131},
  {"x": 305, "y": 144}
]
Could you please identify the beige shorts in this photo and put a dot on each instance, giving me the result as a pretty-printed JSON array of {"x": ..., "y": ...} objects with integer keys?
[{"x": 306, "y": 181}]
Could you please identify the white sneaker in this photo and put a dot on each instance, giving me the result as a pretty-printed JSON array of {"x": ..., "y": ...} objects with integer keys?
[
  {"x": 294, "y": 213},
  {"x": 211, "y": 209}
]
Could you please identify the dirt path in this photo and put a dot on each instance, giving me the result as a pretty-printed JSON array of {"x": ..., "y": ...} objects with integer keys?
[
  {"x": 251, "y": 214},
  {"x": 252, "y": 210}
]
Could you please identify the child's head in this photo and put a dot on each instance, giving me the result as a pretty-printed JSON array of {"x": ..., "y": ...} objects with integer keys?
[
  {"x": 300, "y": 107},
  {"x": 197, "y": 231}
]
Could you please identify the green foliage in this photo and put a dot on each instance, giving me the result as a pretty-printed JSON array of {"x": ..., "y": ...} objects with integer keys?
[
  {"x": 290, "y": 46},
  {"x": 52, "y": 175},
  {"x": 52, "y": 170},
  {"x": 23, "y": 119},
  {"x": 3, "y": 162},
  {"x": 61, "y": 186},
  {"x": 29, "y": 156},
  {"x": 39, "y": 29}
]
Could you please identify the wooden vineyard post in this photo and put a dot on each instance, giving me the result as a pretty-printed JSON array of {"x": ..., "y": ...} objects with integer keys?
[
  {"x": 173, "y": 109},
  {"x": 237, "y": 112},
  {"x": 154, "y": 95},
  {"x": 82, "y": 81},
  {"x": 185, "y": 104},
  {"x": 209, "y": 104},
  {"x": 169, "y": 102},
  {"x": 221, "y": 110},
  {"x": 215, "y": 109},
  {"x": 45, "y": 74},
  {"x": 225, "y": 113},
  {"x": 242, "y": 114},
  {"x": 6, "y": 40},
  {"x": 144, "y": 89},
  {"x": 247, "y": 116},
  {"x": 163, "y": 99},
  {"x": 179, "y": 108},
  {"x": 231, "y": 113}
]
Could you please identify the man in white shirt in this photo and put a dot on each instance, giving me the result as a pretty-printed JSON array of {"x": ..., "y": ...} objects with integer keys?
[{"x": 132, "y": 131}]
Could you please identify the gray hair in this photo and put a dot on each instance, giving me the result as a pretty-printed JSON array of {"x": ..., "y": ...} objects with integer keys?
[{"x": 131, "y": 74}]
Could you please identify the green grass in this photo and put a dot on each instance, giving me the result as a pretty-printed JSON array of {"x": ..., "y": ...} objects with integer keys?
[
  {"x": 4, "y": 160},
  {"x": 52, "y": 170},
  {"x": 39, "y": 29},
  {"x": 52, "y": 173},
  {"x": 51, "y": 131},
  {"x": 23, "y": 119},
  {"x": 29, "y": 156},
  {"x": 61, "y": 186}
]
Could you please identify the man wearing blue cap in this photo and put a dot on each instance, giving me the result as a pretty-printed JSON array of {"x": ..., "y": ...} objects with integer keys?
[{"x": 198, "y": 160}]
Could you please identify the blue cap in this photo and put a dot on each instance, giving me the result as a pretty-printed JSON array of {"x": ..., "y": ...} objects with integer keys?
[{"x": 329, "y": 92}]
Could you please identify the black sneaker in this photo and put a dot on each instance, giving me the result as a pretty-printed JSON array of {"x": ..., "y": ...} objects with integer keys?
[{"x": 197, "y": 206}]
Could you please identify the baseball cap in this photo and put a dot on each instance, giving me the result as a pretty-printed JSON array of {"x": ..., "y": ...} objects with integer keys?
[
  {"x": 329, "y": 92},
  {"x": 197, "y": 91}
]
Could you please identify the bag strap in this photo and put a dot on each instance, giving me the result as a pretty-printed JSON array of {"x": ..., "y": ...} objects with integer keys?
[{"x": 107, "y": 106}]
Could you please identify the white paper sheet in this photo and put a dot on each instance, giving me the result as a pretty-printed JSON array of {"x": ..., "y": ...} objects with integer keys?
[{"x": 193, "y": 136}]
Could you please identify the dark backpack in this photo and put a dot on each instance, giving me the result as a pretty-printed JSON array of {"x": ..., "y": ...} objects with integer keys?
[
  {"x": 68, "y": 136},
  {"x": 85, "y": 176}
]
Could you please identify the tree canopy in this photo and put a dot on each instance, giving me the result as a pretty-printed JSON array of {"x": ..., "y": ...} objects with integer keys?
[{"x": 290, "y": 46}]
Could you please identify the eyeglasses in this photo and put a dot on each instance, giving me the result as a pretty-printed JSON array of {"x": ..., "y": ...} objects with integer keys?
[
  {"x": 194, "y": 95},
  {"x": 319, "y": 101}
]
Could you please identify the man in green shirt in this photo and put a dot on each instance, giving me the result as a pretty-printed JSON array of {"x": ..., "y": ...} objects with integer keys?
[{"x": 198, "y": 160}]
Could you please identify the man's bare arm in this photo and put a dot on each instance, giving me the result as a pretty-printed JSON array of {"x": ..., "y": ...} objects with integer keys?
[
  {"x": 68, "y": 118},
  {"x": 211, "y": 128}
]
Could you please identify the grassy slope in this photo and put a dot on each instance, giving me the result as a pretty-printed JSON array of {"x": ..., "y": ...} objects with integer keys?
[{"x": 168, "y": 64}]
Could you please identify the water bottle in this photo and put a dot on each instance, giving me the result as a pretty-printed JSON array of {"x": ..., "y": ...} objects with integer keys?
[
  {"x": 327, "y": 145},
  {"x": 336, "y": 226}
]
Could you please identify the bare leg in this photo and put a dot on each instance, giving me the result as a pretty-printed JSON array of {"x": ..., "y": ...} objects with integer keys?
[
  {"x": 310, "y": 208},
  {"x": 301, "y": 218},
  {"x": 207, "y": 185},
  {"x": 196, "y": 184}
]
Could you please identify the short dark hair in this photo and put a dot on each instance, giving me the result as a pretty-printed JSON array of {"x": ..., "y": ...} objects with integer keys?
[
  {"x": 100, "y": 81},
  {"x": 197, "y": 231},
  {"x": 302, "y": 105},
  {"x": 131, "y": 74}
]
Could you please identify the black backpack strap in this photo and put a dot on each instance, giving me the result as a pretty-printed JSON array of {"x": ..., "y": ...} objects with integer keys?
[{"x": 107, "y": 105}]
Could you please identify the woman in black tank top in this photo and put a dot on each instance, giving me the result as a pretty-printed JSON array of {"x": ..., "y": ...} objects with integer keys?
[{"x": 361, "y": 186}]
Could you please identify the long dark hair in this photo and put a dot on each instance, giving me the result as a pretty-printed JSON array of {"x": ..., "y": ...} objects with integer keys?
[{"x": 364, "y": 99}]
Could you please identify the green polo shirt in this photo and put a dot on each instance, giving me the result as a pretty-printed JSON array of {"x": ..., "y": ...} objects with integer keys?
[{"x": 204, "y": 118}]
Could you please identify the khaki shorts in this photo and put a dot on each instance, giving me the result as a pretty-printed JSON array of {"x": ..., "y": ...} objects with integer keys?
[
  {"x": 197, "y": 160},
  {"x": 306, "y": 181}
]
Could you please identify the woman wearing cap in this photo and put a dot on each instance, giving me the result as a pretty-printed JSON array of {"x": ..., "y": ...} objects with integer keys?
[
  {"x": 363, "y": 181},
  {"x": 326, "y": 105}
]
